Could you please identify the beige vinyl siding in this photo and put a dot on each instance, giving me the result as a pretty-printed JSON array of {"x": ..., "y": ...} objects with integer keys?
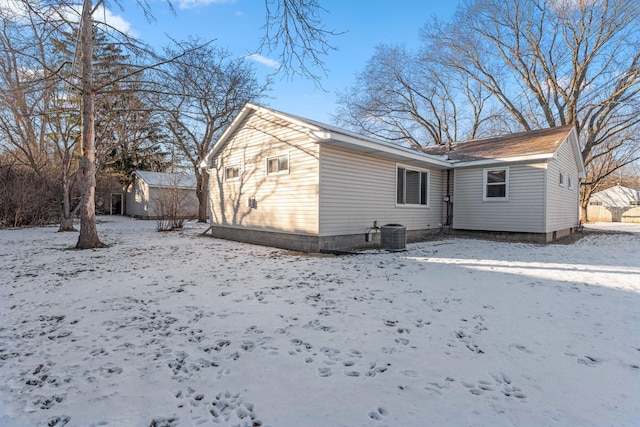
[
  {"x": 357, "y": 189},
  {"x": 523, "y": 212},
  {"x": 562, "y": 201},
  {"x": 284, "y": 202},
  {"x": 138, "y": 199}
]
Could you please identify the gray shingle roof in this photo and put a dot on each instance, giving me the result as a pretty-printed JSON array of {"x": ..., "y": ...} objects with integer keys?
[{"x": 164, "y": 179}]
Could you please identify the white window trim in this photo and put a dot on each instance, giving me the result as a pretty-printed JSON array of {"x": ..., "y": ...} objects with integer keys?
[
  {"x": 407, "y": 205},
  {"x": 231, "y": 167},
  {"x": 280, "y": 172},
  {"x": 569, "y": 183},
  {"x": 484, "y": 185},
  {"x": 562, "y": 179}
]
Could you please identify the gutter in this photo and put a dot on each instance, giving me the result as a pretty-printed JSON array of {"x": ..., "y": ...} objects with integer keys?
[{"x": 378, "y": 146}]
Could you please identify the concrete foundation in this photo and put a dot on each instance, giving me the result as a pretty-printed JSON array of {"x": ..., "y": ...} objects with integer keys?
[
  {"x": 314, "y": 243},
  {"x": 514, "y": 236},
  {"x": 308, "y": 242}
]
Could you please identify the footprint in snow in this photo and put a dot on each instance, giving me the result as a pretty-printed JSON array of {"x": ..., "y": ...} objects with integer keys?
[
  {"x": 324, "y": 372},
  {"x": 501, "y": 380},
  {"x": 378, "y": 414},
  {"x": 247, "y": 345},
  {"x": 59, "y": 421},
  {"x": 589, "y": 361}
]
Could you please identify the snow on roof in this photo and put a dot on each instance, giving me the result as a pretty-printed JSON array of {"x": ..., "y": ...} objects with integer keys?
[
  {"x": 617, "y": 196},
  {"x": 164, "y": 179}
]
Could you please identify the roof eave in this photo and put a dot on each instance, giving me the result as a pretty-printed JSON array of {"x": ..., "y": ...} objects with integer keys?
[
  {"x": 204, "y": 163},
  {"x": 377, "y": 148},
  {"x": 515, "y": 159},
  {"x": 582, "y": 172},
  {"x": 246, "y": 110}
]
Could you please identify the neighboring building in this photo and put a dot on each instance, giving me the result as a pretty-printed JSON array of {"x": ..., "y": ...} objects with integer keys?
[
  {"x": 615, "y": 204},
  {"x": 155, "y": 193},
  {"x": 284, "y": 181}
]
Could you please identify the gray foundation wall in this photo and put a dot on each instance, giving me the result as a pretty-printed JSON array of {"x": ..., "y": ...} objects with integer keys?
[
  {"x": 313, "y": 243},
  {"x": 514, "y": 236},
  {"x": 305, "y": 242}
]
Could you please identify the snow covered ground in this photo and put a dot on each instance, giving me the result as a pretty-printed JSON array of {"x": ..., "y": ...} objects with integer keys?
[{"x": 173, "y": 329}]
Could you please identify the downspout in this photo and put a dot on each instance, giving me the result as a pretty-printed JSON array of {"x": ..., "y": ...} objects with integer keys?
[
  {"x": 447, "y": 200},
  {"x": 447, "y": 197}
]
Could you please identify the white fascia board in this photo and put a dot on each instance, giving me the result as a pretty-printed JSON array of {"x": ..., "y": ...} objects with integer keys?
[
  {"x": 577, "y": 152},
  {"x": 204, "y": 164},
  {"x": 378, "y": 147},
  {"x": 518, "y": 159},
  {"x": 240, "y": 117}
]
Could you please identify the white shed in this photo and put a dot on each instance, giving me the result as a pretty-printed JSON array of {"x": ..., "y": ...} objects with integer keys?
[
  {"x": 151, "y": 193},
  {"x": 615, "y": 204}
]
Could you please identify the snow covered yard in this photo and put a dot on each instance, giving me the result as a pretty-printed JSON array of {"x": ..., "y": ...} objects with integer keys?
[{"x": 172, "y": 329}]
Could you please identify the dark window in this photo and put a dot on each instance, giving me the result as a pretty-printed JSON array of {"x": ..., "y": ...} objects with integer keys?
[
  {"x": 412, "y": 187},
  {"x": 496, "y": 181}
]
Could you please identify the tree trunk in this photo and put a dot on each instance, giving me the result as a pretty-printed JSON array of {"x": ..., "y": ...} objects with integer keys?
[
  {"x": 66, "y": 216},
  {"x": 88, "y": 238},
  {"x": 202, "y": 181},
  {"x": 583, "y": 213}
]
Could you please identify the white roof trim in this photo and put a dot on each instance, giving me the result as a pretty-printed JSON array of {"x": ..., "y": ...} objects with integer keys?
[
  {"x": 577, "y": 152},
  {"x": 534, "y": 157},
  {"x": 377, "y": 147}
]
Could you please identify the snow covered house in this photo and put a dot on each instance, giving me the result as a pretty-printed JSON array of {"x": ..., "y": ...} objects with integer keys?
[
  {"x": 615, "y": 204},
  {"x": 281, "y": 180},
  {"x": 155, "y": 193}
]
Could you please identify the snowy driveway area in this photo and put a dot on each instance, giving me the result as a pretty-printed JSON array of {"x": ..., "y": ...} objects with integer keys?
[{"x": 174, "y": 329}]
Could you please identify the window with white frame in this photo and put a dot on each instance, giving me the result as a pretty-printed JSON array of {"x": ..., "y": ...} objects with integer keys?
[
  {"x": 496, "y": 184},
  {"x": 562, "y": 179},
  {"x": 231, "y": 173},
  {"x": 569, "y": 183},
  {"x": 278, "y": 165},
  {"x": 412, "y": 186}
]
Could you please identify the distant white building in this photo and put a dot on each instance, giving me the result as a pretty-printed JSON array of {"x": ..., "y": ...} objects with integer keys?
[
  {"x": 615, "y": 204},
  {"x": 152, "y": 192}
]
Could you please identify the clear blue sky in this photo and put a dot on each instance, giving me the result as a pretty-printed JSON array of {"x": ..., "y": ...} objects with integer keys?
[{"x": 237, "y": 26}]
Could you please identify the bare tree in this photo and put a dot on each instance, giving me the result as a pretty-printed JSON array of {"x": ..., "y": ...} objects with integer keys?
[
  {"x": 554, "y": 62},
  {"x": 295, "y": 30},
  {"x": 37, "y": 118},
  {"x": 403, "y": 97},
  {"x": 298, "y": 34},
  {"x": 206, "y": 88}
]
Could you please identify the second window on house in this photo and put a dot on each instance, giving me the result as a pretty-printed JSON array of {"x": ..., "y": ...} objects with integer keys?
[
  {"x": 276, "y": 165},
  {"x": 496, "y": 184},
  {"x": 412, "y": 187},
  {"x": 231, "y": 173}
]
